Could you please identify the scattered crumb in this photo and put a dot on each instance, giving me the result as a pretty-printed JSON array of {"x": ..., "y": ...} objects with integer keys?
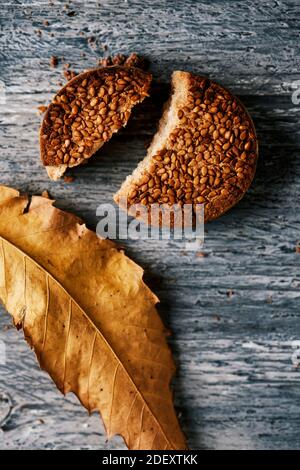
[
  {"x": 69, "y": 179},
  {"x": 230, "y": 293},
  {"x": 71, "y": 13},
  {"x": 118, "y": 59},
  {"x": 201, "y": 254},
  {"x": 46, "y": 194},
  {"x": 297, "y": 247},
  {"x": 46, "y": 23},
  {"x": 42, "y": 109},
  {"x": 91, "y": 41},
  {"x": 138, "y": 61},
  {"x": 7, "y": 327},
  {"x": 269, "y": 299},
  {"x": 216, "y": 317},
  {"x": 53, "y": 61},
  {"x": 69, "y": 74},
  {"x": 133, "y": 60}
]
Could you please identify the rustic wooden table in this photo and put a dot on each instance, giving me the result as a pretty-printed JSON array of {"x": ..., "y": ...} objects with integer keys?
[{"x": 234, "y": 311}]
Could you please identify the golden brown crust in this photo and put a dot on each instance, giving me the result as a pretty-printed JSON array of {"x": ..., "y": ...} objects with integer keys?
[
  {"x": 206, "y": 156},
  {"x": 86, "y": 112}
]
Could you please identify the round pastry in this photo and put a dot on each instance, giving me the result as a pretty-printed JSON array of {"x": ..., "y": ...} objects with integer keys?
[
  {"x": 205, "y": 151},
  {"x": 86, "y": 112}
]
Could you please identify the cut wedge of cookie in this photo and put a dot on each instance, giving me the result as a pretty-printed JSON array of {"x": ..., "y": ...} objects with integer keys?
[
  {"x": 205, "y": 151},
  {"x": 86, "y": 112}
]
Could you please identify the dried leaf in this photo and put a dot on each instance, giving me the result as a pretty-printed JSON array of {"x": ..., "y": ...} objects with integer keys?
[{"x": 91, "y": 320}]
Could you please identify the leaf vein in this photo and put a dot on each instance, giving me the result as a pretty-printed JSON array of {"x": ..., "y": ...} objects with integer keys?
[
  {"x": 141, "y": 426},
  {"x": 90, "y": 368},
  {"x": 112, "y": 395},
  {"x": 66, "y": 345},
  {"x": 128, "y": 416},
  {"x": 46, "y": 313}
]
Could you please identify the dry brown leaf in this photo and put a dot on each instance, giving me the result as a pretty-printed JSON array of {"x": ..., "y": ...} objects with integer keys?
[{"x": 91, "y": 320}]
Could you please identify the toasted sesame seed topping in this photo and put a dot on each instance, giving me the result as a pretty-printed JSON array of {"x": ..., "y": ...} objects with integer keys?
[
  {"x": 87, "y": 111},
  {"x": 210, "y": 157}
]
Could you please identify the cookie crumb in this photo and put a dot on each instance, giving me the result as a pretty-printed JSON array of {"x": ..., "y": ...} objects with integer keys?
[
  {"x": 216, "y": 317},
  {"x": 138, "y": 61},
  {"x": 53, "y": 61},
  {"x": 91, "y": 42},
  {"x": 133, "y": 60},
  {"x": 69, "y": 179},
  {"x": 69, "y": 74},
  {"x": 42, "y": 109}
]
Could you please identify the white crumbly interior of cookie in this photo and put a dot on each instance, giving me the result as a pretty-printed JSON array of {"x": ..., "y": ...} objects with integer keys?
[
  {"x": 56, "y": 172},
  {"x": 167, "y": 123}
]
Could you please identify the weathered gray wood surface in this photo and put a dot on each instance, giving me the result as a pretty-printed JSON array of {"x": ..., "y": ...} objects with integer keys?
[{"x": 237, "y": 385}]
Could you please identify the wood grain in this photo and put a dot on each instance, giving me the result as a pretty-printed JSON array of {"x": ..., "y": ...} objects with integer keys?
[{"x": 234, "y": 312}]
